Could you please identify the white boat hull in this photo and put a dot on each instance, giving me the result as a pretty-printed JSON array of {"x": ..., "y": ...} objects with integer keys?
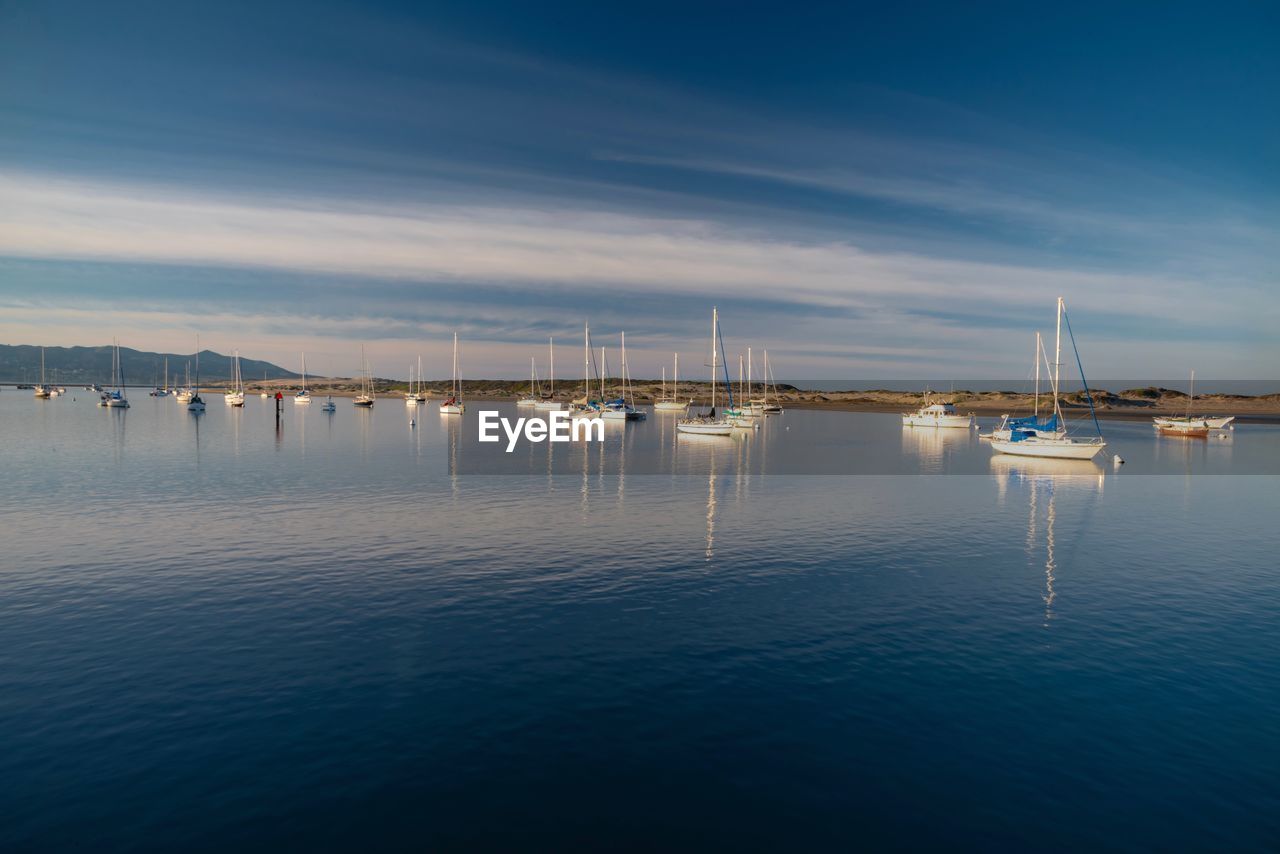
[
  {"x": 410, "y": 400},
  {"x": 1056, "y": 449},
  {"x": 552, "y": 405},
  {"x": 1219, "y": 423},
  {"x": 451, "y": 409},
  {"x": 300, "y": 399},
  {"x": 527, "y": 401},
  {"x": 705, "y": 428},
  {"x": 954, "y": 421},
  {"x": 670, "y": 406}
]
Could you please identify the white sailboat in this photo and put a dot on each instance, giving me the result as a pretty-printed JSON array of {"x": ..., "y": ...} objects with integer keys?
[
  {"x": 115, "y": 399},
  {"x": 422, "y": 392},
  {"x": 453, "y": 405},
  {"x": 668, "y": 402},
  {"x": 184, "y": 394},
  {"x": 194, "y": 402},
  {"x": 365, "y": 398},
  {"x": 708, "y": 424},
  {"x": 1030, "y": 443},
  {"x": 585, "y": 407},
  {"x": 163, "y": 391},
  {"x": 742, "y": 415},
  {"x": 1051, "y": 428},
  {"x": 535, "y": 394},
  {"x": 623, "y": 408},
  {"x": 411, "y": 396},
  {"x": 43, "y": 391},
  {"x": 1191, "y": 428},
  {"x": 235, "y": 395},
  {"x": 303, "y": 397},
  {"x": 767, "y": 406},
  {"x": 550, "y": 402}
]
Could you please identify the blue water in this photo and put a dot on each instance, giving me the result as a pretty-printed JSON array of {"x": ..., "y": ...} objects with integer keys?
[{"x": 319, "y": 637}]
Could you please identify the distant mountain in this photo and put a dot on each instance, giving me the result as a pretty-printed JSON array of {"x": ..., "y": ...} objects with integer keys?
[{"x": 83, "y": 365}]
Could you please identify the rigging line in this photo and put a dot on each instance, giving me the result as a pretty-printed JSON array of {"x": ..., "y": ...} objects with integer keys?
[
  {"x": 725, "y": 360},
  {"x": 1088, "y": 396}
]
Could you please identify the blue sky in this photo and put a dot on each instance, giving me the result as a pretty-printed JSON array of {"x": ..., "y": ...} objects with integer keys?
[{"x": 865, "y": 191}]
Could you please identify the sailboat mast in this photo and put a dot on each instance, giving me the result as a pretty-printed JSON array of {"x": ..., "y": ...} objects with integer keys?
[
  {"x": 675, "y": 378},
  {"x": 1192, "y": 394},
  {"x": 1036, "y": 360},
  {"x": 551, "y": 342},
  {"x": 1057, "y": 359},
  {"x": 715, "y": 321}
]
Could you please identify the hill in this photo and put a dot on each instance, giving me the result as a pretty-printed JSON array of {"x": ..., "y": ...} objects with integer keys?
[{"x": 84, "y": 365}]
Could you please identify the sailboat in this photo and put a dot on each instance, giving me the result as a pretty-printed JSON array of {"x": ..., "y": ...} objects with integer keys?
[
  {"x": 42, "y": 391},
  {"x": 422, "y": 394},
  {"x": 303, "y": 397},
  {"x": 454, "y": 405},
  {"x": 159, "y": 391},
  {"x": 365, "y": 398},
  {"x": 264, "y": 394},
  {"x": 766, "y": 406},
  {"x": 115, "y": 399},
  {"x": 1050, "y": 427},
  {"x": 235, "y": 394},
  {"x": 668, "y": 402},
  {"x": 742, "y": 415},
  {"x": 585, "y": 407},
  {"x": 1030, "y": 442},
  {"x": 709, "y": 424},
  {"x": 623, "y": 408},
  {"x": 535, "y": 393},
  {"x": 411, "y": 395},
  {"x": 549, "y": 402},
  {"x": 1191, "y": 428},
  {"x": 184, "y": 394},
  {"x": 194, "y": 402}
]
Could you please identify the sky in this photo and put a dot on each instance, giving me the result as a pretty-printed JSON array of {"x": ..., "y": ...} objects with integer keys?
[{"x": 867, "y": 191}]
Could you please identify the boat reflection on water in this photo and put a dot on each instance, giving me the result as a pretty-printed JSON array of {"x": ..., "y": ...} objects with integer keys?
[
  {"x": 932, "y": 446},
  {"x": 1043, "y": 479}
]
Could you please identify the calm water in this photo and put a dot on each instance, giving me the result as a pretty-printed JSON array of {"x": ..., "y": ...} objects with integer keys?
[{"x": 214, "y": 634}]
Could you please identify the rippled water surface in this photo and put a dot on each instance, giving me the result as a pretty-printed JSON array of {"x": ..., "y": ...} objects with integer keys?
[{"x": 214, "y": 633}]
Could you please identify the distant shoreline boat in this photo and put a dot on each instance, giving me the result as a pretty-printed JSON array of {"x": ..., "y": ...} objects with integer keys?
[
  {"x": 668, "y": 402},
  {"x": 365, "y": 398},
  {"x": 454, "y": 404}
]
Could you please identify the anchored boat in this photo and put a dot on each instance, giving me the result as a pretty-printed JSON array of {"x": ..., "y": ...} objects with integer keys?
[{"x": 1028, "y": 441}]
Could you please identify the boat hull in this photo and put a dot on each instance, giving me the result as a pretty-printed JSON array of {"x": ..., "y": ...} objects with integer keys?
[
  {"x": 1185, "y": 431},
  {"x": 1049, "y": 449},
  {"x": 705, "y": 428},
  {"x": 951, "y": 421},
  {"x": 550, "y": 405},
  {"x": 451, "y": 409},
  {"x": 670, "y": 406}
]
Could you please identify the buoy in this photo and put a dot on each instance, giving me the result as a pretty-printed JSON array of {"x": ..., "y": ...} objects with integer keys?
[
  {"x": 413, "y": 423},
  {"x": 1119, "y": 461}
]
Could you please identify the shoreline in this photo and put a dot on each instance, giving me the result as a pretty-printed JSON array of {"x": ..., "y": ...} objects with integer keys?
[{"x": 1129, "y": 405}]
